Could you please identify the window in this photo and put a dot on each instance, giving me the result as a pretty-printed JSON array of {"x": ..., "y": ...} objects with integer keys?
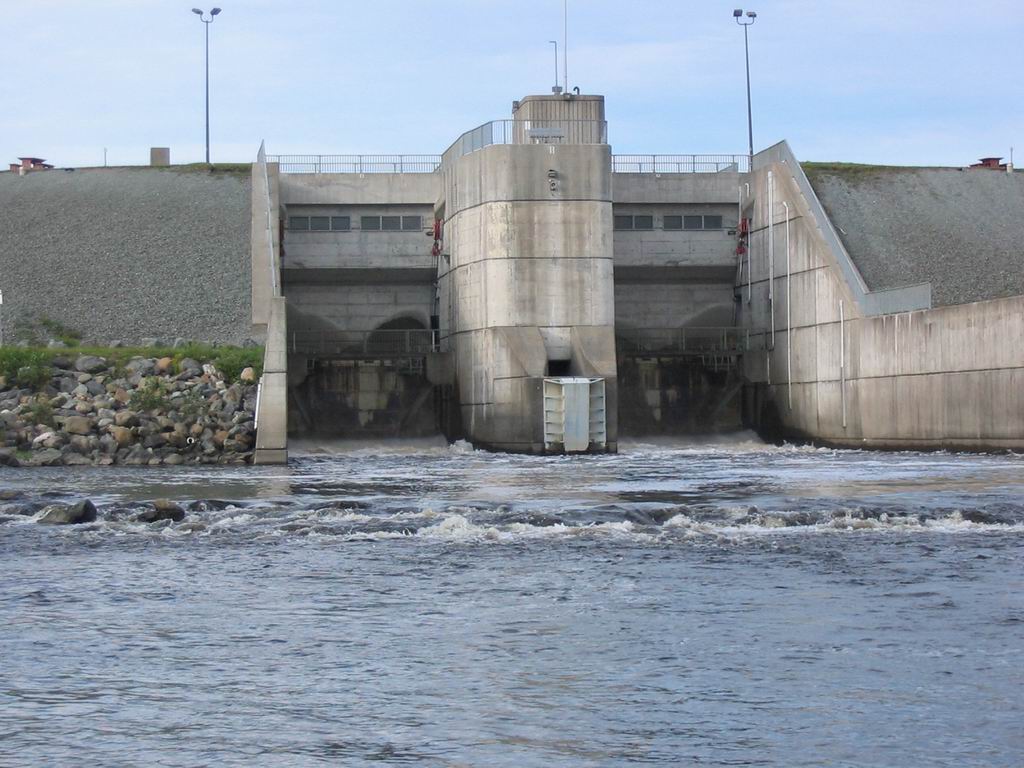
[
  {"x": 693, "y": 222},
  {"x": 320, "y": 223},
  {"x": 341, "y": 223},
  {"x": 712, "y": 222},
  {"x": 392, "y": 223},
  {"x": 298, "y": 222},
  {"x": 634, "y": 222},
  {"x": 672, "y": 222}
]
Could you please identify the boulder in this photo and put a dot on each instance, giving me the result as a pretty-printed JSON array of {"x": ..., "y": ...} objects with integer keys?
[
  {"x": 188, "y": 364},
  {"x": 247, "y": 375},
  {"x": 163, "y": 509},
  {"x": 126, "y": 418},
  {"x": 8, "y": 459},
  {"x": 141, "y": 365},
  {"x": 174, "y": 459},
  {"x": 122, "y": 436},
  {"x": 163, "y": 365},
  {"x": 78, "y": 425},
  {"x": 61, "y": 514},
  {"x": 49, "y": 457},
  {"x": 90, "y": 364},
  {"x": 72, "y": 459}
]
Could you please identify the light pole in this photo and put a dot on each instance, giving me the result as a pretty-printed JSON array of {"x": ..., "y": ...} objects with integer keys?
[
  {"x": 751, "y": 16},
  {"x": 207, "y": 23}
]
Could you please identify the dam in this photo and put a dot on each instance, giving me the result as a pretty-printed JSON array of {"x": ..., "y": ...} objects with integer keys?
[{"x": 529, "y": 290}]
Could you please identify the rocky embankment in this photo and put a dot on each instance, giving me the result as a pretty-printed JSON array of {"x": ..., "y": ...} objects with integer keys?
[{"x": 147, "y": 411}]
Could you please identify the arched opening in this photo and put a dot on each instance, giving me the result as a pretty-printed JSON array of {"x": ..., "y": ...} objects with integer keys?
[{"x": 398, "y": 336}]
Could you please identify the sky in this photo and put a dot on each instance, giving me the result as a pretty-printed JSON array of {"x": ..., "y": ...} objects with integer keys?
[{"x": 903, "y": 82}]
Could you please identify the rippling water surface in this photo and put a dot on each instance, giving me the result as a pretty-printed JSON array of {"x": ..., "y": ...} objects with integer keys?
[{"x": 419, "y": 604}]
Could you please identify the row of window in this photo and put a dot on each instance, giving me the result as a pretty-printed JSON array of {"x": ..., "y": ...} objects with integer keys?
[
  {"x": 668, "y": 222},
  {"x": 366, "y": 223}
]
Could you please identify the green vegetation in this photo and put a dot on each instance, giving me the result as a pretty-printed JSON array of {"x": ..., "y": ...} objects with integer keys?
[
  {"x": 40, "y": 411},
  {"x": 236, "y": 168},
  {"x": 32, "y": 366},
  {"x": 854, "y": 172},
  {"x": 26, "y": 367},
  {"x": 151, "y": 394},
  {"x": 69, "y": 336}
]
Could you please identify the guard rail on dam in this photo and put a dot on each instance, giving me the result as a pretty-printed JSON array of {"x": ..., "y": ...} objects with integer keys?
[
  {"x": 431, "y": 163},
  {"x": 717, "y": 346}
]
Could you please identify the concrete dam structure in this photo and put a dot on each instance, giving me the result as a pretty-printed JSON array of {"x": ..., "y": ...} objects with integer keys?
[
  {"x": 525, "y": 290},
  {"x": 564, "y": 296},
  {"x": 528, "y": 290}
]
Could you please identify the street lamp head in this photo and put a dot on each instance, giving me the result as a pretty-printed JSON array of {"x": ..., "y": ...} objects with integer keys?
[
  {"x": 752, "y": 14},
  {"x": 197, "y": 12},
  {"x": 737, "y": 13},
  {"x": 215, "y": 11}
]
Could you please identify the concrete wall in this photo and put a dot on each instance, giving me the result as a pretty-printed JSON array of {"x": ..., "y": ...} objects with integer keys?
[
  {"x": 127, "y": 253},
  {"x": 673, "y": 305},
  {"x": 265, "y": 241},
  {"x": 356, "y": 307},
  {"x": 356, "y": 248},
  {"x": 948, "y": 377}
]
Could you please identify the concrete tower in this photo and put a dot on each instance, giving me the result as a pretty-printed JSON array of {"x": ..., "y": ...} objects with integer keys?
[{"x": 525, "y": 280}]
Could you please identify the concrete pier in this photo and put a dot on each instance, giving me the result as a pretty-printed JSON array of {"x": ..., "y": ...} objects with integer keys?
[{"x": 526, "y": 280}]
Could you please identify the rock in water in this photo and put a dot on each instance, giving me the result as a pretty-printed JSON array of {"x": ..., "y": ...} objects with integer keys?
[
  {"x": 163, "y": 509},
  {"x": 59, "y": 514}
]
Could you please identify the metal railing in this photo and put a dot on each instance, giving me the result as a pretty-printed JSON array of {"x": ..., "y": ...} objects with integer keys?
[
  {"x": 680, "y": 163},
  {"x": 512, "y": 132},
  {"x": 362, "y": 344},
  {"x": 529, "y": 132},
  {"x": 683, "y": 342},
  {"x": 356, "y": 163}
]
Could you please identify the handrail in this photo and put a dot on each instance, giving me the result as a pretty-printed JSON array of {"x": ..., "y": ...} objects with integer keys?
[
  {"x": 357, "y": 163},
  {"x": 693, "y": 340},
  {"x": 540, "y": 131},
  {"x": 513, "y": 132},
  {"x": 680, "y": 163}
]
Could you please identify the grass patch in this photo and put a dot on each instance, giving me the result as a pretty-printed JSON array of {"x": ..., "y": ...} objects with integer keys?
[
  {"x": 856, "y": 172},
  {"x": 230, "y": 361},
  {"x": 68, "y": 336}
]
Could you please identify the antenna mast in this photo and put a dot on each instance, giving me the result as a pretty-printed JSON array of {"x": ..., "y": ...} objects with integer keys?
[{"x": 565, "y": 43}]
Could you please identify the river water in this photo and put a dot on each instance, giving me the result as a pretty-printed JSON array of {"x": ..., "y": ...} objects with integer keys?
[{"x": 418, "y": 604}]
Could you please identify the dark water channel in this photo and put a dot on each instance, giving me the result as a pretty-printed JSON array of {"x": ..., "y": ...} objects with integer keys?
[{"x": 728, "y": 604}]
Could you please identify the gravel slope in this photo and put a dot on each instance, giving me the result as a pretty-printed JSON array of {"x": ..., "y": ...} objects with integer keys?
[
  {"x": 960, "y": 230},
  {"x": 127, "y": 253}
]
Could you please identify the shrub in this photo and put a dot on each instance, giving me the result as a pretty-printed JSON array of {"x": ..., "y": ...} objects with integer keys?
[
  {"x": 151, "y": 394},
  {"x": 41, "y": 412},
  {"x": 25, "y": 367}
]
